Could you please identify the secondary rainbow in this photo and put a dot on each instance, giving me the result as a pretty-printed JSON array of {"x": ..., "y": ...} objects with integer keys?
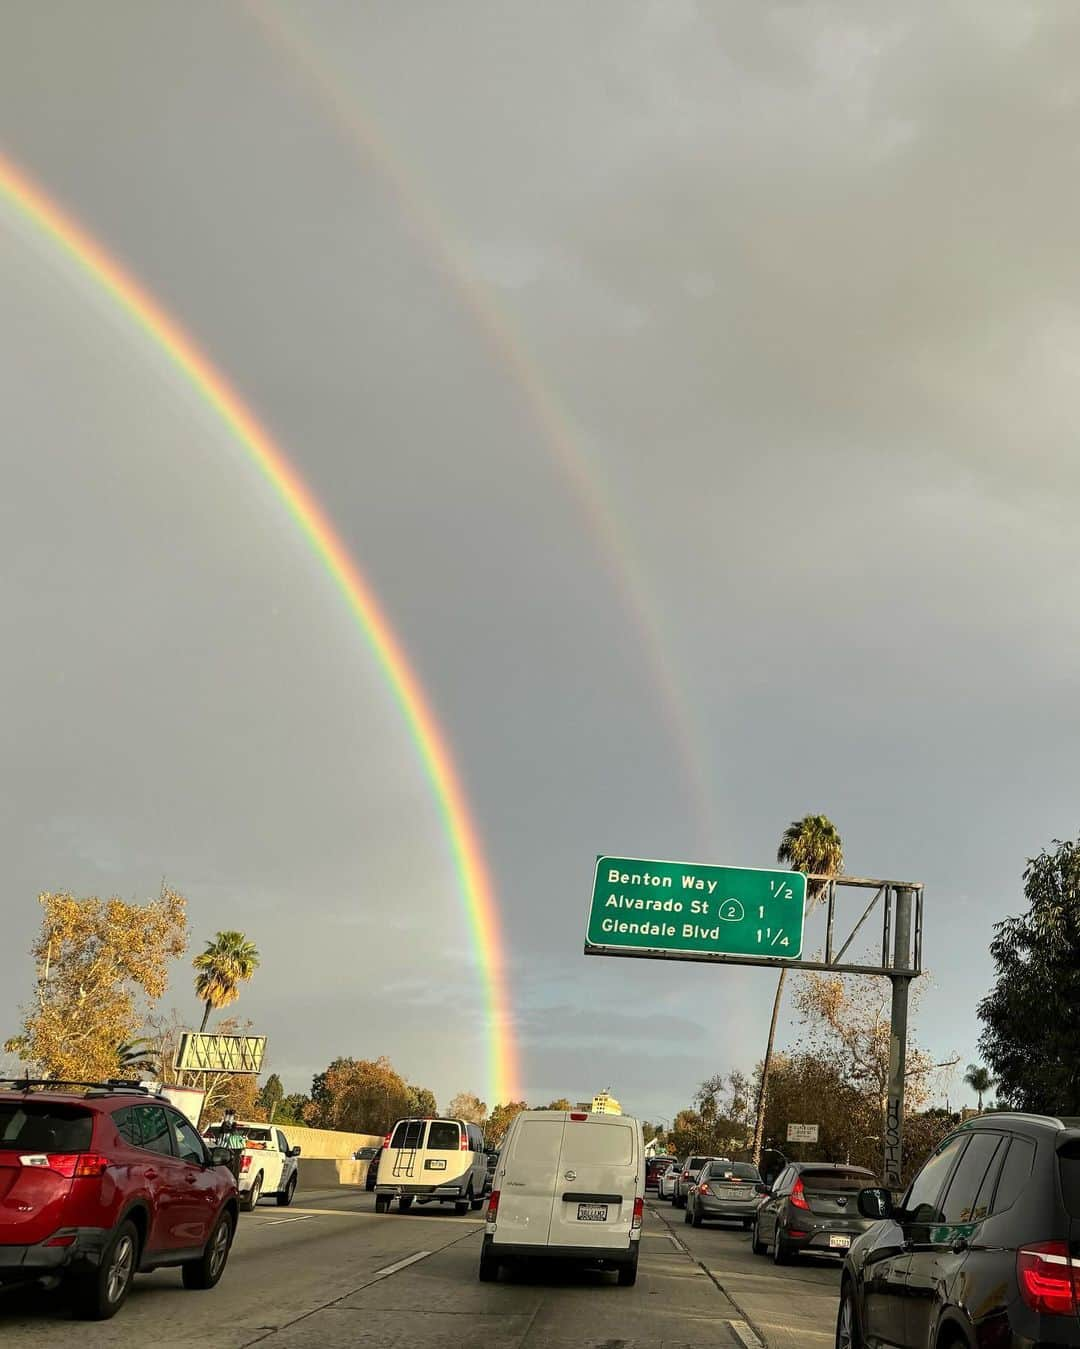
[{"x": 169, "y": 336}]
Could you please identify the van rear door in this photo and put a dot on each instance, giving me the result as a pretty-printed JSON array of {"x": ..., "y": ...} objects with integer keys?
[
  {"x": 598, "y": 1182},
  {"x": 529, "y": 1176}
]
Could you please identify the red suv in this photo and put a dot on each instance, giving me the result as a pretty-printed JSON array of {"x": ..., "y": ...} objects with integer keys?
[{"x": 99, "y": 1181}]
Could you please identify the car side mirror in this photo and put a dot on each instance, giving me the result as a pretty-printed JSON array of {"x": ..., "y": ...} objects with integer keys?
[
  {"x": 293, "y": 1152},
  {"x": 876, "y": 1204},
  {"x": 221, "y": 1157}
]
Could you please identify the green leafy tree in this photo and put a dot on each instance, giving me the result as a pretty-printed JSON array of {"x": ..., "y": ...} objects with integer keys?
[
  {"x": 291, "y": 1109},
  {"x": 1029, "y": 1015},
  {"x": 811, "y": 845},
  {"x": 228, "y": 961},
  {"x": 138, "y": 1056},
  {"x": 422, "y": 1102},
  {"x": 270, "y": 1097},
  {"x": 979, "y": 1080}
]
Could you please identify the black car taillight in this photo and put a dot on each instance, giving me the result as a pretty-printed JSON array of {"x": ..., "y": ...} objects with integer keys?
[{"x": 1047, "y": 1278}]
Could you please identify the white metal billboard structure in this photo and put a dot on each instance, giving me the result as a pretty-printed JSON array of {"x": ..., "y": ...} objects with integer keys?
[{"x": 201, "y": 1053}]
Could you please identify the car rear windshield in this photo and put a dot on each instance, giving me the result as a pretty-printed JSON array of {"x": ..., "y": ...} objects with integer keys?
[
  {"x": 837, "y": 1179},
  {"x": 734, "y": 1170},
  {"x": 696, "y": 1163},
  {"x": 41, "y": 1127},
  {"x": 254, "y": 1134},
  {"x": 444, "y": 1136}
]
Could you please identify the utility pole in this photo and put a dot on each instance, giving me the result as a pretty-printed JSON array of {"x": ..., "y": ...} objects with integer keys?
[{"x": 901, "y": 976}]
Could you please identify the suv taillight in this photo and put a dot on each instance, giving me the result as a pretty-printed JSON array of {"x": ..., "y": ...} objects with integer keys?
[
  {"x": 70, "y": 1165},
  {"x": 639, "y": 1212},
  {"x": 493, "y": 1206},
  {"x": 1047, "y": 1278},
  {"x": 798, "y": 1196}
]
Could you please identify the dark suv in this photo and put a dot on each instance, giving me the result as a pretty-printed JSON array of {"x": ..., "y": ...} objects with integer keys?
[
  {"x": 983, "y": 1249},
  {"x": 99, "y": 1181}
]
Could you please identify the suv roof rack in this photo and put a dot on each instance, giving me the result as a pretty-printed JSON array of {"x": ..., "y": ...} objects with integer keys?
[
  {"x": 988, "y": 1118},
  {"x": 111, "y": 1087}
]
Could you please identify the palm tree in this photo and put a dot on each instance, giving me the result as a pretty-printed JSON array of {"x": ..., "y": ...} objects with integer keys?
[
  {"x": 979, "y": 1080},
  {"x": 228, "y": 961},
  {"x": 138, "y": 1056},
  {"x": 811, "y": 845}
]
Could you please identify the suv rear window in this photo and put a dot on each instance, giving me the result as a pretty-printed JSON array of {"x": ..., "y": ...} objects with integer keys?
[
  {"x": 837, "y": 1179},
  {"x": 42, "y": 1127},
  {"x": 443, "y": 1136}
]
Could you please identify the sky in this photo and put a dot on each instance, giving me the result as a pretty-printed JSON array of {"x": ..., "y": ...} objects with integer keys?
[{"x": 695, "y": 386}]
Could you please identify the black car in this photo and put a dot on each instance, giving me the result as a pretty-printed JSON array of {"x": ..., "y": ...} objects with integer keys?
[
  {"x": 811, "y": 1207},
  {"x": 983, "y": 1249},
  {"x": 371, "y": 1156}
]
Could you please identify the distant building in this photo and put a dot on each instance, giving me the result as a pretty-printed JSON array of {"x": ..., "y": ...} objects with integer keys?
[{"x": 605, "y": 1104}]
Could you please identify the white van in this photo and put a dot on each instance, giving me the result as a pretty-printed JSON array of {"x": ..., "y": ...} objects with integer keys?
[
  {"x": 570, "y": 1185},
  {"x": 432, "y": 1161}
]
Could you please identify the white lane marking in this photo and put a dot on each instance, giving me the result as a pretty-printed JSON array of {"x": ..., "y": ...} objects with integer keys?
[
  {"x": 803, "y": 1330},
  {"x": 401, "y": 1264},
  {"x": 745, "y": 1335},
  {"x": 276, "y": 1222}
]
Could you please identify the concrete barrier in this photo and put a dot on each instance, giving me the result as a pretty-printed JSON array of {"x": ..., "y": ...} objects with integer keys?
[{"x": 323, "y": 1173}]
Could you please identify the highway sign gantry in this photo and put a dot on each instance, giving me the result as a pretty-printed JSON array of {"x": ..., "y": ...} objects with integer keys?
[{"x": 692, "y": 910}]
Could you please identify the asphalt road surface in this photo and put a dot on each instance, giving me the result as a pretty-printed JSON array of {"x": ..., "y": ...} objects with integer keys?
[{"x": 329, "y": 1272}]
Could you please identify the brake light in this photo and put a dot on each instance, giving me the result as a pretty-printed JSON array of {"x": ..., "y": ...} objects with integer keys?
[
  {"x": 798, "y": 1196},
  {"x": 703, "y": 1188},
  {"x": 639, "y": 1212},
  {"x": 1047, "y": 1278},
  {"x": 245, "y": 1163},
  {"x": 70, "y": 1165},
  {"x": 493, "y": 1206},
  {"x": 578, "y": 1116},
  {"x": 464, "y": 1144},
  {"x": 386, "y": 1141},
  {"x": 686, "y": 1175}
]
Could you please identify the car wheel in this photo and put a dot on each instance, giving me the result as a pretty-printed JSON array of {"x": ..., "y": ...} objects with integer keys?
[
  {"x": 628, "y": 1275},
  {"x": 382, "y": 1203},
  {"x": 210, "y": 1266},
  {"x": 285, "y": 1198},
  {"x": 756, "y": 1244},
  {"x": 477, "y": 1203},
  {"x": 100, "y": 1294},
  {"x": 781, "y": 1252},
  {"x": 489, "y": 1268},
  {"x": 848, "y": 1335},
  {"x": 747, "y": 1223},
  {"x": 462, "y": 1206},
  {"x": 249, "y": 1200},
  {"x": 405, "y": 1203},
  {"x": 697, "y": 1219},
  {"x": 686, "y": 1215}
]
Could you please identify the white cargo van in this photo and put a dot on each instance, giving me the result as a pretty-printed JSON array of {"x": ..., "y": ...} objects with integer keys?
[
  {"x": 432, "y": 1161},
  {"x": 570, "y": 1185}
]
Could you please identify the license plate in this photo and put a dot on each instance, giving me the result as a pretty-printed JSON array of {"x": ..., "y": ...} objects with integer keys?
[
  {"x": 436, "y": 1164},
  {"x": 592, "y": 1213},
  {"x": 840, "y": 1243},
  {"x": 731, "y": 1192}
]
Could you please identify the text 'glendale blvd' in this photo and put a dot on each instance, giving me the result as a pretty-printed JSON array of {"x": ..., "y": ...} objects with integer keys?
[{"x": 731, "y": 910}]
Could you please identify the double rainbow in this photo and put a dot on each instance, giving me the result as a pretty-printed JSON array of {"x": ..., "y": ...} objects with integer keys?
[{"x": 214, "y": 388}]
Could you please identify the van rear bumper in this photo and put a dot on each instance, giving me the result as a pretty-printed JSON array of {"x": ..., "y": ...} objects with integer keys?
[
  {"x": 455, "y": 1190},
  {"x": 607, "y": 1255}
]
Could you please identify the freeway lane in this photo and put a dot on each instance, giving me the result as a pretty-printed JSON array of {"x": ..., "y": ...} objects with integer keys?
[
  {"x": 329, "y": 1272},
  {"x": 790, "y": 1306}
]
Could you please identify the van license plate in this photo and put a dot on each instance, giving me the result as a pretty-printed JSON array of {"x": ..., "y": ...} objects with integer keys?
[
  {"x": 840, "y": 1243},
  {"x": 436, "y": 1163},
  {"x": 592, "y": 1213}
]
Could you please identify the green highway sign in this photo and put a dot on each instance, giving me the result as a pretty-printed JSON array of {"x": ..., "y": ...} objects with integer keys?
[{"x": 686, "y": 908}]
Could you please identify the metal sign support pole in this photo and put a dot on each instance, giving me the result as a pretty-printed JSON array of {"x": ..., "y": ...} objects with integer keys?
[{"x": 901, "y": 977}]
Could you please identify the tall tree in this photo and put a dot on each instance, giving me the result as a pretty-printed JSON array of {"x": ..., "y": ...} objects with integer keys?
[
  {"x": 468, "y": 1107},
  {"x": 422, "y": 1103},
  {"x": 360, "y": 1096},
  {"x": 979, "y": 1080},
  {"x": 562, "y": 1104},
  {"x": 100, "y": 965},
  {"x": 1029, "y": 1016},
  {"x": 499, "y": 1121},
  {"x": 811, "y": 845},
  {"x": 271, "y": 1096},
  {"x": 228, "y": 961}
]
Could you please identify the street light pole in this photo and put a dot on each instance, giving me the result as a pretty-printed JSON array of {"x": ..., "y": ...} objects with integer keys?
[{"x": 900, "y": 977}]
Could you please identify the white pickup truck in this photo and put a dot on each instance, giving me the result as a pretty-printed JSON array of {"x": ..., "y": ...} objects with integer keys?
[{"x": 267, "y": 1166}]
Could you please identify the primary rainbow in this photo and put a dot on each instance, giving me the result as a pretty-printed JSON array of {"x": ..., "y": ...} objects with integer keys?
[{"x": 475, "y": 881}]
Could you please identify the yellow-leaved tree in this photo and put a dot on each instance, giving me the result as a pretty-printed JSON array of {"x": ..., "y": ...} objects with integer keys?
[{"x": 101, "y": 964}]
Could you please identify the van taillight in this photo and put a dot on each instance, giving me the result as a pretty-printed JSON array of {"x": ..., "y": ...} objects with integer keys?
[
  {"x": 386, "y": 1141},
  {"x": 70, "y": 1165},
  {"x": 577, "y": 1115},
  {"x": 639, "y": 1212},
  {"x": 464, "y": 1145},
  {"x": 493, "y": 1206},
  {"x": 1047, "y": 1278}
]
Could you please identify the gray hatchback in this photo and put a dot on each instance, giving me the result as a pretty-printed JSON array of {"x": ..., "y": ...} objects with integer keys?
[
  {"x": 731, "y": 1190},
  {"x": 812, "y": 1207}
]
